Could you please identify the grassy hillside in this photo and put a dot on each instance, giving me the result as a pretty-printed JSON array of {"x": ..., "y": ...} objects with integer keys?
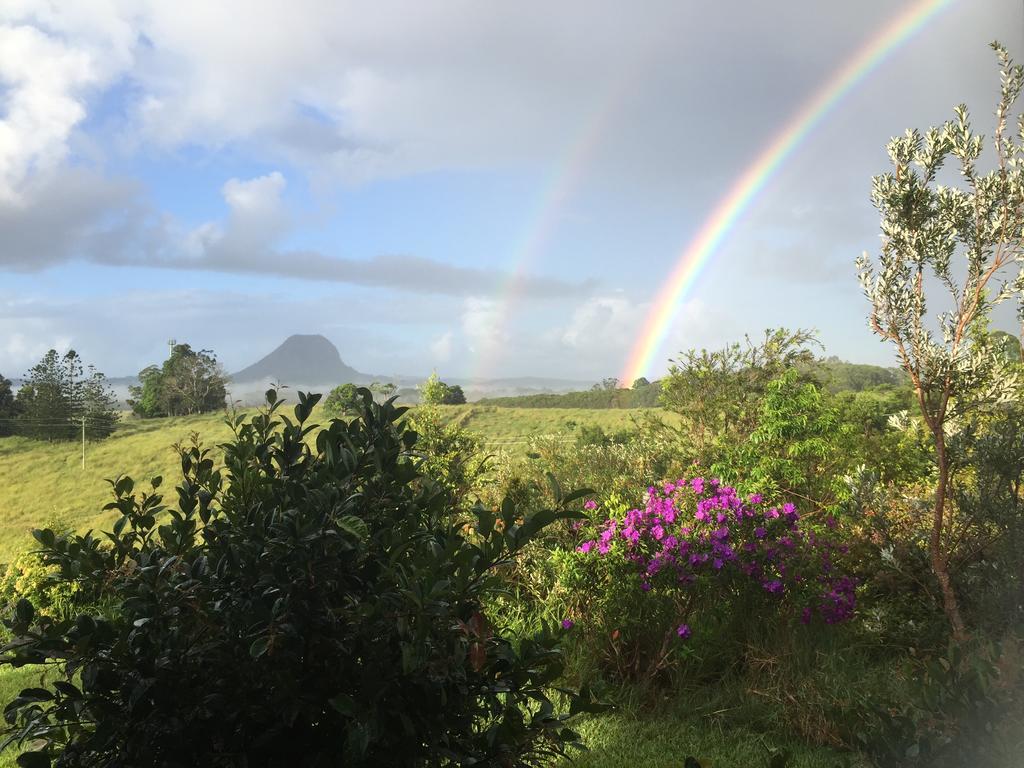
[
  {"x": 501, "y": 424},
  {"x": 644, "y": 396},
  {"x": 42, "y": 482}
]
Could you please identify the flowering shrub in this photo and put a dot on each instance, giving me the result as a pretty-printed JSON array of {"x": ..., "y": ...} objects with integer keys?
[
  {"x": 727, "y": 535},
  {"x": 698, "y": 550}
]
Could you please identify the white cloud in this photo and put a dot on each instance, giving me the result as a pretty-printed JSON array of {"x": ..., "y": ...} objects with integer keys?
[
  {"x": 361, "y": 90},
  {"x": 25, "y": 343},
  {"x": 604, "y": 321},
  {"x": 53, "y": 58},
  {"x": 483, "y": 325},
  {"x": 441, "y": 347},
  {"x": 257, "y": 220},
  {"x": 258, "y": 196}
]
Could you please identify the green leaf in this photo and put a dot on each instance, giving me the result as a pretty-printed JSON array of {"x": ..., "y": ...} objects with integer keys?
[
  {"x": 36, "y": 694},
  {"x": 344, "y": 704},
  {"x": 33, "y": 760},
  {"x": 46, "y": 537},
  {"x": 259, "y": 646},
  {"x": 24, "y": 611},
  {"x": 485, "y": 522},
  {"x": 578, "y": 494},
  {"x": 354, "y": 526},
  {"x": 556, "y": 489}
]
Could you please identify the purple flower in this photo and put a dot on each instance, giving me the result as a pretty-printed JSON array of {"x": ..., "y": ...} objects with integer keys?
[
  {"x": 760, "y": 532},
  {"x": 567, "y": 624},
  {"x": 590, "y": 504},
  {"x": 585, "y": 547},
  {"x": 683, "y": 631},
  {"x": 774, "y": 586}
]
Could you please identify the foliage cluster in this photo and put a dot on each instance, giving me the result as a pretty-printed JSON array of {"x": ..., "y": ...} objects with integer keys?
[
  {"x": 311, "y": 603},
  {"x": 60, "y": 398},
  {"x": 28, "y": 576},
  {"x": 342, "y": 401},
  {"x": 448, "y": 455},
  {"x": 433, "y": 391},
  {"x": 927, "y": 227},
  {"x": 189, "y": 382}
]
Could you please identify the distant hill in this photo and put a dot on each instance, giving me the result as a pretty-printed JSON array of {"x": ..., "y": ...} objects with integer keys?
[{"x": 301, "y": 360}]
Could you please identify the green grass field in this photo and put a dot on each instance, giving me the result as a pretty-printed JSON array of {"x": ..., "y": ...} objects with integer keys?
[{"x": 42, "y": 483}]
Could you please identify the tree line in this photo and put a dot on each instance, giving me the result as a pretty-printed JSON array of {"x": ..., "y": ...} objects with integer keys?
[{"x": 61, "y": 397}]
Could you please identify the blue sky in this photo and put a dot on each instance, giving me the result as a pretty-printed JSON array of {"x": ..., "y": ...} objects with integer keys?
[{"x": 230, "y": 173}]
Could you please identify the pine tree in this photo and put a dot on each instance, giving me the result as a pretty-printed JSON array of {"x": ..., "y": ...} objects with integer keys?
[
  {"x": 99, "y": 406},
  {"x": 56, "y": 397},
  {"x": 8, "y": 408},
  {"x": 48, "y": 398}
]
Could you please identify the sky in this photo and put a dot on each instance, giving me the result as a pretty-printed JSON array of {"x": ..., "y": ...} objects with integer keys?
[{"x": 485, "y": 189}]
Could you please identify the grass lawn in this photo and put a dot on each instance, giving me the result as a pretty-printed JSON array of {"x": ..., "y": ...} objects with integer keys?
[
  {"x": 617, "y": 740},
  {"x": 497, "y": 424},
  {"x": 42, "y": 483}
]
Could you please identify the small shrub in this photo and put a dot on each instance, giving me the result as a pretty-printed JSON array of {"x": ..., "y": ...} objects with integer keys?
[
  {"x": 28, "y": 576},
  {"x": 699, "y": 553},
  {"x": 449, "y": 455}
]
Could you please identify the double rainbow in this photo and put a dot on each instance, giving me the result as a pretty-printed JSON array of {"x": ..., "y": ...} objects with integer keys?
[{"x": 744, "y": 191}]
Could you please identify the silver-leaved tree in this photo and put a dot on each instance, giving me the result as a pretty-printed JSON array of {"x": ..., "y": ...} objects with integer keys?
[{"x": 956, "y": 245}]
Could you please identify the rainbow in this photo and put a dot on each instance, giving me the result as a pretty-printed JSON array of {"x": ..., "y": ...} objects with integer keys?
[
  {"x": 557, "y": 190},
  {"x": 745, "y": 189}
]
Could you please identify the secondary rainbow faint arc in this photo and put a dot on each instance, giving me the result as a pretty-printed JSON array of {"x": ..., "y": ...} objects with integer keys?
[
  {"x": 561, "y": 183},
  {"x": 745, "y": 189}
]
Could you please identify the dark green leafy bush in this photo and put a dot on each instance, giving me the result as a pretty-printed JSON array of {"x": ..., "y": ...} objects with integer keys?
[{"x": 313, "y": 603}]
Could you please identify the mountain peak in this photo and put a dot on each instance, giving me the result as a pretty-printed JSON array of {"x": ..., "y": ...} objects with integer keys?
[{"x": 301, "y": 359}]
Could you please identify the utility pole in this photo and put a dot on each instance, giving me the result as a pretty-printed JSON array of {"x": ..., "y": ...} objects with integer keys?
[{"x": 83, "y": 442}]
